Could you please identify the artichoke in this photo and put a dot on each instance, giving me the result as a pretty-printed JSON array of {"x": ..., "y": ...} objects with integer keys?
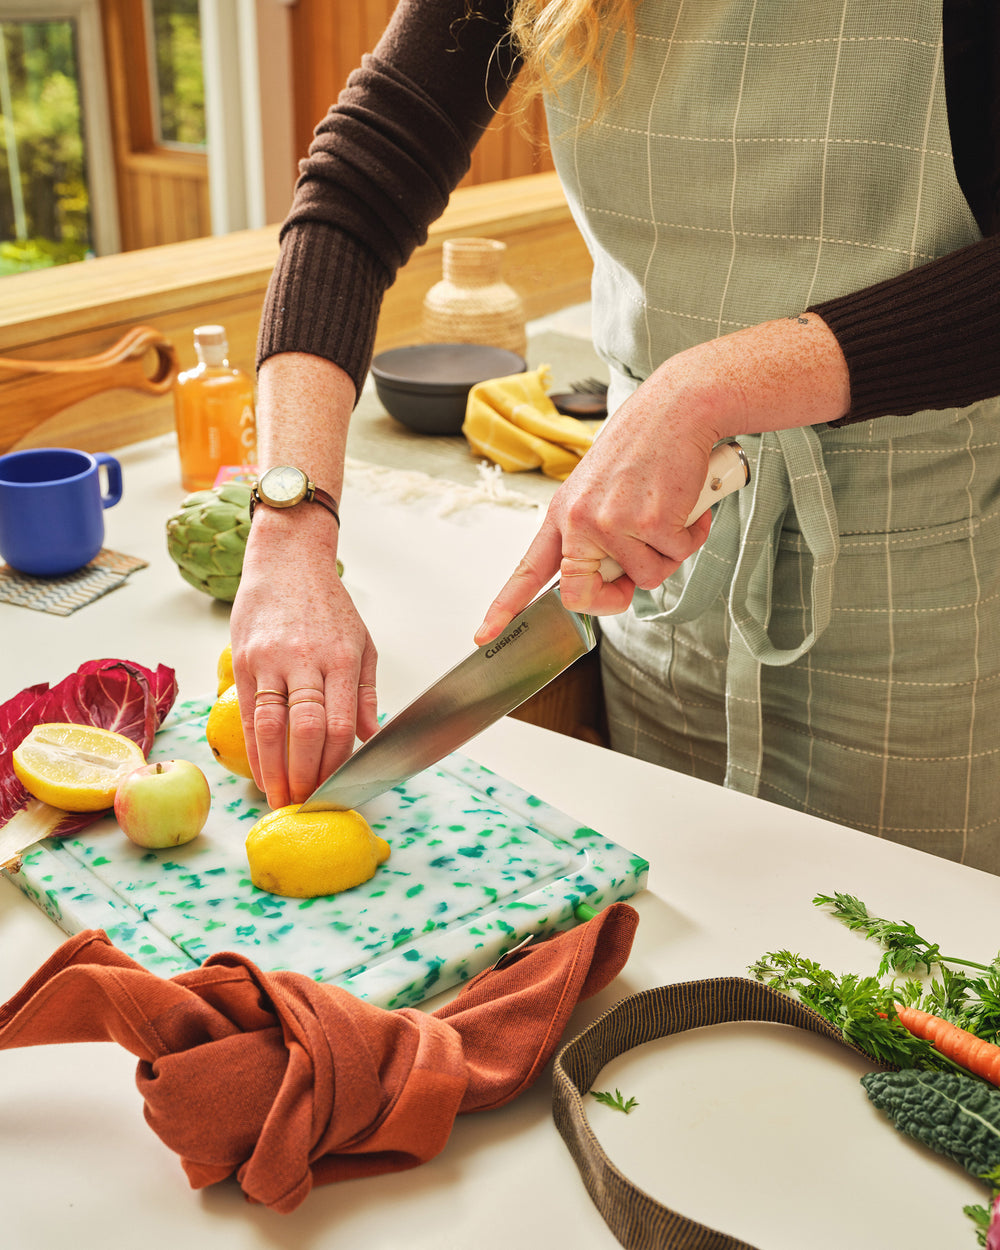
[{"x": 207, "y": 536}]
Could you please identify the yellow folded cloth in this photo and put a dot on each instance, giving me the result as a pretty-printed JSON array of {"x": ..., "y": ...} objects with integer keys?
[{"x": 512, "y": 422}]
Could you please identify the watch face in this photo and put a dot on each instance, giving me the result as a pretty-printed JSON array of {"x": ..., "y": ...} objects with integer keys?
[{"x": 283, "y": 486}]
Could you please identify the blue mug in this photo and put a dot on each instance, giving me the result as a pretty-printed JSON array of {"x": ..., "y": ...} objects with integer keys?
[{"x": 52, "y": 505}]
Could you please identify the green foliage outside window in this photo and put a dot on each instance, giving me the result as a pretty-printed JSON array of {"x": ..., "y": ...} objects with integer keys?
[
  {"x": 181, "y": 89},
  {"x": 44, "y": 204}
]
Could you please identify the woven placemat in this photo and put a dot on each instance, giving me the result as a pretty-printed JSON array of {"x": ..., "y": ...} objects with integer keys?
[{"x": 61, "y": 596}]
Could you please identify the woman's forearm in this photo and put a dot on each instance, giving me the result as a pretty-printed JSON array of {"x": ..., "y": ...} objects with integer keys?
[
  {"x": 304, "y": 407},
  {"x": 773, "y": 376}
]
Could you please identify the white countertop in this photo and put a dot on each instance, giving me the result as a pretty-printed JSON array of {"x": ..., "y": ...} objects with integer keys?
[{"x": 759, "y": 1130}]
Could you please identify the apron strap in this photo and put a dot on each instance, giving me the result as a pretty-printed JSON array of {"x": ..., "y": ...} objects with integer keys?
[
  {"x": 738, "y": 560},
  {"x": 638, "y": 1221},
  {"x": 790, "y": 471}
]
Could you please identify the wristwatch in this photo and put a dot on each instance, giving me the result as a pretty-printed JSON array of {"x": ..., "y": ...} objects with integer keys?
[{"x": 284, "y": 486}]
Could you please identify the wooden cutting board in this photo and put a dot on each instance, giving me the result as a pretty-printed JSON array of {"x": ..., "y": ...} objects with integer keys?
[{"x": 477, "y": 864}]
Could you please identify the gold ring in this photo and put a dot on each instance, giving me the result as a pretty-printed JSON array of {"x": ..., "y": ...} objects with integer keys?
[
  {"x": 369, "y": 684},
  {"x": 310, "y": 698},
  {"x": 280, "y": 693}
]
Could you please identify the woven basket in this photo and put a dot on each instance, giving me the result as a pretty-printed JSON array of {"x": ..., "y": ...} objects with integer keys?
[{"x": 472, "y": 303}]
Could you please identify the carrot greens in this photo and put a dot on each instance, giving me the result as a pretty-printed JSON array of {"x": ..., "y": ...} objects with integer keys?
[
  {"x": 962, "y": 991},
  {"x": 861, "y": 1007},
  {"x": 905, "y": 950}
]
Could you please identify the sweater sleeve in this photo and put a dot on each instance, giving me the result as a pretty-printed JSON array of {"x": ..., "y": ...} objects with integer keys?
[
  {"x": 380, "y": 170},
  {"x": 928, "y": 338}
]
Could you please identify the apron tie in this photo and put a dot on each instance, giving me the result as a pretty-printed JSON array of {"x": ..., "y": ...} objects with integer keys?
[{"x": 788, "y": 471}]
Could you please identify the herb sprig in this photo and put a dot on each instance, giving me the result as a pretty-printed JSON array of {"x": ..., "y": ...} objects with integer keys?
[
  {"x": 616, "y": 1101},
  {"x": 863, "y": 1007}
]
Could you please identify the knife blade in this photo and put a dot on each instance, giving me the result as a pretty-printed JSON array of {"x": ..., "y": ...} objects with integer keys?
[{"x": 538, "y": 644}]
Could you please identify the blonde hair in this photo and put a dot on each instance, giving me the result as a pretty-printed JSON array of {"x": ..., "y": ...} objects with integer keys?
[{"x": 559, "y": 39}]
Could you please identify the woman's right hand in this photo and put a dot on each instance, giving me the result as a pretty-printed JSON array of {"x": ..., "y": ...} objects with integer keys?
[
  {"x": 304, "y": 662},
  {"x": 632, "y": 493}
]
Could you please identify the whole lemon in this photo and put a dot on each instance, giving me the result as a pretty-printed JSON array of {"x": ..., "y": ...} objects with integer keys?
[
  {"x": 224, "y": 734},
  {"x": 308, "y": 854},
  {"x": 224, "y": 669}
]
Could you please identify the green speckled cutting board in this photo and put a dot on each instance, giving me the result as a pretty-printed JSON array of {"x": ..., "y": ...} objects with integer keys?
[{"x": 477, "y": 864}]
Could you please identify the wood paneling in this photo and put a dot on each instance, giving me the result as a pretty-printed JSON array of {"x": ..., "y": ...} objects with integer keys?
[
  {"x": 328, "y": 41},
  {"x": 573, "y": 704},
  {"x": 162, "y": 193},
  {"x": 162, "y": 200}
]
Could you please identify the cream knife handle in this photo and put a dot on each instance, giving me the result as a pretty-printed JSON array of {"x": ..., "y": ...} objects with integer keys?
[{"x": 728, "y": 470}]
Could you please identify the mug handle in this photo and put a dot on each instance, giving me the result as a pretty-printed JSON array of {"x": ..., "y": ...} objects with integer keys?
[{"x": 114, "y": 472}]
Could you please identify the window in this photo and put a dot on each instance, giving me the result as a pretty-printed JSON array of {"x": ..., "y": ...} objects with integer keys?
[
  {"x": 55, "y": 167},
  {"x": 44, "y": 202},
  {"x": 160, "y": 134},
  {"x": 178, "y": 88}
]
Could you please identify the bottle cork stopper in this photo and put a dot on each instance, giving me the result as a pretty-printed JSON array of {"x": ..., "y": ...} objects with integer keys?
[{"x": 211, "y": 344}]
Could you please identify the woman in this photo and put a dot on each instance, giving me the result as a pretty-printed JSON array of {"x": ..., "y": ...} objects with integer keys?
[{"x": 791, "y": 214}]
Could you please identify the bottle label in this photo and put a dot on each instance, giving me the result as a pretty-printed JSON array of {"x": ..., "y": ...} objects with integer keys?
[{"x": 248, "y": 429}]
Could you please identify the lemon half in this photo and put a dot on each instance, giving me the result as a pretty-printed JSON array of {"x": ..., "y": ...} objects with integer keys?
[
  {"x": 309, "y": 854},
  {"x": 76, "y": 768}
]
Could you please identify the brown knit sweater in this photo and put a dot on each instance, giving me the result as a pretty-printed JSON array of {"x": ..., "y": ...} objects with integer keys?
[{"x": 388, "y": 155}]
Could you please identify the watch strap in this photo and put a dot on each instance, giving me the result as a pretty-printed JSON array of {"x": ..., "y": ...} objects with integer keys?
[{"x": 324, "y": 499}]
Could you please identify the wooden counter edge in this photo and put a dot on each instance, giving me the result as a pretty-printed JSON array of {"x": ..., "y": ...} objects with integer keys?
[
  {"x": 48, "y": 308},
  {"x": 80, "y": 310}
]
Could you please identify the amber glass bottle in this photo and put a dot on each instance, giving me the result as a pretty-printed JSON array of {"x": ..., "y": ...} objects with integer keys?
[{"x": 214, "y": 409}]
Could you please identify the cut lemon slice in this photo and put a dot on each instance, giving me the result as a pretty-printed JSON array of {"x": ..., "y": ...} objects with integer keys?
[{"x": 75, "y": 767}]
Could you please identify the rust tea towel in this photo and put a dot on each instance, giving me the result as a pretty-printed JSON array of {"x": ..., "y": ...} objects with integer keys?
[{"x": 285, "y": 1082}]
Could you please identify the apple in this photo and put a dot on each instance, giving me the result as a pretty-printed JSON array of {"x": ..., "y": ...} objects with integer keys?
[{"x": 163, "y": 804}]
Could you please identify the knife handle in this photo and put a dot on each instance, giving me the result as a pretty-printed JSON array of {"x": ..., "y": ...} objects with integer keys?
[{"x": 728, "y": 470}]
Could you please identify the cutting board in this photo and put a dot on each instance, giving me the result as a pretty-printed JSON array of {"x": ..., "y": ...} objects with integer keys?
[{"x": 476, "y": 865}]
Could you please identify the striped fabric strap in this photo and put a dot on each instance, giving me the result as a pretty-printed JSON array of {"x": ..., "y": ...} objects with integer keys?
[{"x": 636, "y": 1219}]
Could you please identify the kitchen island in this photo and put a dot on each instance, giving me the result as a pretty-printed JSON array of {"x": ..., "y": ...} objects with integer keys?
[{"x": 756, "y": 1129}]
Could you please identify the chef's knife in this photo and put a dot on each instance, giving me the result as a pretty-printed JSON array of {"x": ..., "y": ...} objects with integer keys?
[{"x": 535, "y": 647}]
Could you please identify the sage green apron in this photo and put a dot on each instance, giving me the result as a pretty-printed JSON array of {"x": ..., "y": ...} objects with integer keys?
[{"x": 835, "y": 646}]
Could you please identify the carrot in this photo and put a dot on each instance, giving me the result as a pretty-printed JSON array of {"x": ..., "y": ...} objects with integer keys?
[{"x": 962, "y": 1047}]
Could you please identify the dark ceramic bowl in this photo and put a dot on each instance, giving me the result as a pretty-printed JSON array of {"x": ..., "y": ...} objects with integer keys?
[{"x": 425, "y": 387}]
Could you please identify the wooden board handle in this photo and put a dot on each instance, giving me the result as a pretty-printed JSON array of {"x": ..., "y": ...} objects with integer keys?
[{"x": 143, "y": 360}]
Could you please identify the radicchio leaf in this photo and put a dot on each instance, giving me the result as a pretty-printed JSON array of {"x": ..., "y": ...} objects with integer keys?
[
  {"x": 993, "y": 1233},
  {"x": 119, "y": 695},
  {"x": 16, "y": 721}
]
